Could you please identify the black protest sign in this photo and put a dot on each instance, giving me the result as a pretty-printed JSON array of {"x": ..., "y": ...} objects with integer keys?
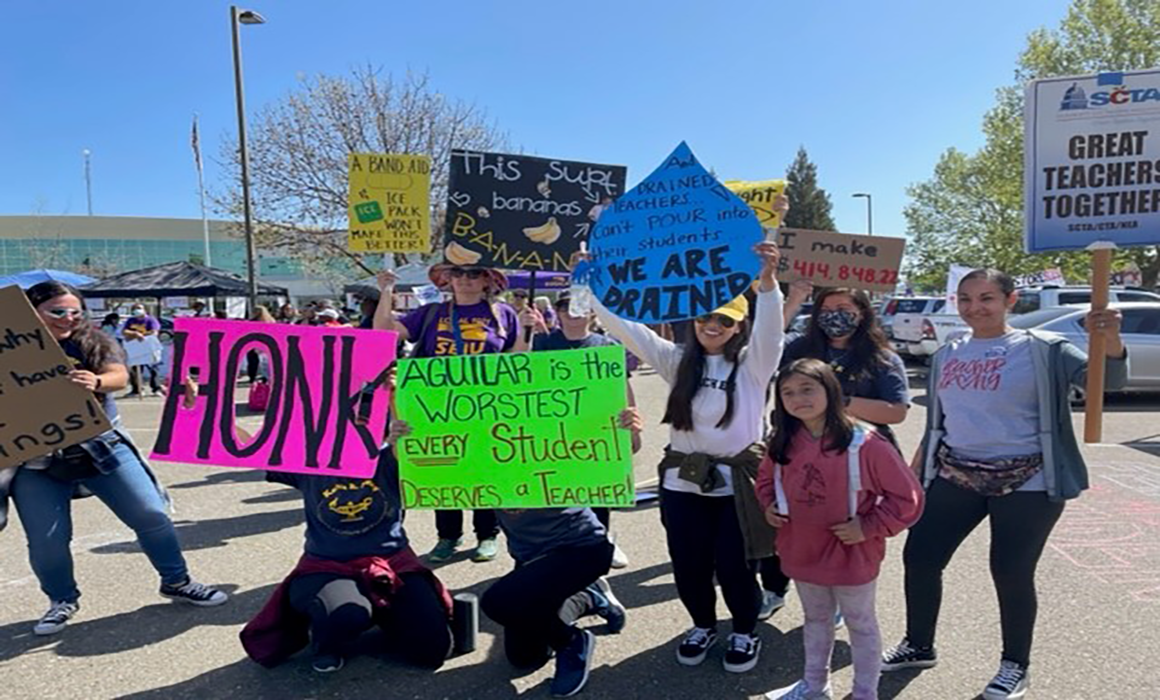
[
  {"x": 41, "y": 410},
  {"x": 524, "y": 213}
]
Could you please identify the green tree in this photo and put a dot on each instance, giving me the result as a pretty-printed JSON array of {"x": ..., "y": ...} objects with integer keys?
[
  {"x": 971, "y": 210},
  {"x": 809, "y": 204}
]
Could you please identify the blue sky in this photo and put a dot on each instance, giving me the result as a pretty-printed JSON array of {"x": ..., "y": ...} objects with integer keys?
[{"x": 875, "y": 91}]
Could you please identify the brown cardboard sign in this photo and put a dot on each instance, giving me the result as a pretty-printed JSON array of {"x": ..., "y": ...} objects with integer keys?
[
  {"x": 831, "y": 259},
  {"x": 40, "y": 409}
]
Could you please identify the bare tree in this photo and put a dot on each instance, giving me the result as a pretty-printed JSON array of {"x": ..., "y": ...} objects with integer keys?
[{"x": 298, "y": 150}]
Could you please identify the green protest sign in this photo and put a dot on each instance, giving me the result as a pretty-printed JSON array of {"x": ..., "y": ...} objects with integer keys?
[{"x": 516, "y": 430}]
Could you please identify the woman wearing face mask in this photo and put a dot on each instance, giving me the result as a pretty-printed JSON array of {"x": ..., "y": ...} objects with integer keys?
[
  {"x": 844, "y": 332},
  {"x": 107, "y": 465},
  {"x": 139, "y": 326}
]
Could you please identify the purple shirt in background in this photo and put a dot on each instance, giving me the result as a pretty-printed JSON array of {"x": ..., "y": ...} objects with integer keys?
[
  {"x": 480, "y": 329},
  {"x": 145, "y": 323}
]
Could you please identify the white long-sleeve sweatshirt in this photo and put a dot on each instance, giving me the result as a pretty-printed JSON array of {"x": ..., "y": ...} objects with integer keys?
[{"x": 759, "y": 361}]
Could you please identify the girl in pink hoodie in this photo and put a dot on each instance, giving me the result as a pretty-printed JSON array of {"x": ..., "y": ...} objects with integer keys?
[{"x": 835, "y": 491}]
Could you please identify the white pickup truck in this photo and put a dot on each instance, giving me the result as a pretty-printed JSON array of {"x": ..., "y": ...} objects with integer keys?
[{"x": 938, "y": 328}]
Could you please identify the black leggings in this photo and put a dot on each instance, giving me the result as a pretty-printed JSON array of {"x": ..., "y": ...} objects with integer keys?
[
  {"x": 772, "y": 578},
  {"x": 340, "y": 611},
  {"x": 704, "y": 539},
  {"x": 1020, "y": 525},
  {"x": 449, "y": 524},
  {"x": 527, "y": 601}
]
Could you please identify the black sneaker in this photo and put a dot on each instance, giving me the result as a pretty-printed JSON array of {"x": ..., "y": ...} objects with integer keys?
[
  {"x": 1010, "y": 683},
  {"x": 57, "y": 617},
  {"x": 907, "y": 656},
  {"x": 327, "y": 663},
  {"x": 194, "y": 593},
  {"x": 741, "y": 656},
  {"x": 572, "y": 665},
  {"x": 606, "y": 605},
  {"x": 696, "y": 645}
]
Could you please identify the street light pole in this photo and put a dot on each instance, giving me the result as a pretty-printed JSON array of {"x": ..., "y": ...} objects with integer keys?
[
  {"x": 245, "y": 17},
  {"x": 89, "y": 179},
  {"x": 869, "y": 212}
]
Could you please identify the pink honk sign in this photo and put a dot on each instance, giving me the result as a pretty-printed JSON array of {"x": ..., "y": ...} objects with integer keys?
[{"x": 320, "y": 379}]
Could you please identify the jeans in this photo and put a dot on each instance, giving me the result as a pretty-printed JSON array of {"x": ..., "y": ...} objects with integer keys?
[
  {"x": 526, "y": 602},
  {"x": 820, "y": 603},
  {"x": 152, "y": 371},
  {"x": 44, "y": 505},
  {"x": 1021, "y": 522},
  {"x": 706, "y": 543}
]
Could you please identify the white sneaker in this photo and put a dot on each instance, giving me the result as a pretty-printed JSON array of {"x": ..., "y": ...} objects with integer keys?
[
  {"x": 619, "y": 558},
  {"x": 1010, "y": 683},
  {"x": 57, "y": 617},
  {"x": 800, "y": 691},
  {"x": 770, "y": 603}
]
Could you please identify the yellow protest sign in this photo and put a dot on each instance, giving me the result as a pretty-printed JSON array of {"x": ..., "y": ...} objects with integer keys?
[
  {"x": 389, "y": 203},
  {"x": 759, "y": 195}
]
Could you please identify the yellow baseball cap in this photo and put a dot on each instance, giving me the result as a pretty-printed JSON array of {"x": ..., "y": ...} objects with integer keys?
[{"x": 737, "y": 309}]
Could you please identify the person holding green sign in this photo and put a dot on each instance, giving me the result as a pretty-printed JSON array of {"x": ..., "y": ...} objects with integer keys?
[
  {"x": 561, "y": 555},
  {"x": 472, "y": 323},
  {"x": 716, "y": 410}
]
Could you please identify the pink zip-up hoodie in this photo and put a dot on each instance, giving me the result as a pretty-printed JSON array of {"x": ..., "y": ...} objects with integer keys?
[{"x": 816, "y": 484}]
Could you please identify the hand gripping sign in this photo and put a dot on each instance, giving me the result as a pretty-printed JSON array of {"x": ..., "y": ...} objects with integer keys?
[{"x": 321, "y": 380}]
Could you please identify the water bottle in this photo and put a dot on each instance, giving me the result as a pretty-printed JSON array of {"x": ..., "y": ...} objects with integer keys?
[
  {"x": 465, "y": 622},
  {"x": 580, "y": 297}
]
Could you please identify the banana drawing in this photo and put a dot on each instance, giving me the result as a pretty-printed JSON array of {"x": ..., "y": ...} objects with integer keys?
[
  {"x": 546, "y": 233},
  {"x": 458, "y": 255}
]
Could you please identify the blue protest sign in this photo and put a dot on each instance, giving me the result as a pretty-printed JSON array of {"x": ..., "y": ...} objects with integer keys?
[{"x": 676, "y": 246}]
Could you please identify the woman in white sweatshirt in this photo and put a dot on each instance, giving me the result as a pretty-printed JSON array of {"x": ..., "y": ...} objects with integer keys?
[{"x": 716, "y": 410}]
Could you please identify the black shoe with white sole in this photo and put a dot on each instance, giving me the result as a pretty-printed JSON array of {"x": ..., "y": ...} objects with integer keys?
[
  {"x": 741, "y": 656},
  {"x": 695, "y": 646},
  {"x": 1010, "y": 683},
  {"x": 905, "y": 655},
  {"x": 194, "y": 593}
]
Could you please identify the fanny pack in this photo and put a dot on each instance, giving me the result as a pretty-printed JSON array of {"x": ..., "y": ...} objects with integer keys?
[{"x": 997, "y": 477}]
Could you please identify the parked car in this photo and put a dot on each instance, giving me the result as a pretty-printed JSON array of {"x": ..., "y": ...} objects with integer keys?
[
  {"x": 902, "y": 320},
  {"x": 1141, "y": 333},
  {"x": 1048, "y": 296}
]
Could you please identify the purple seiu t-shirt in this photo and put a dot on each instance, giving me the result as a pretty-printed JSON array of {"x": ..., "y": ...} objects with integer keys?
[
  {"x": 141, "y": 323},
  {"x": 482, "y": 329}
]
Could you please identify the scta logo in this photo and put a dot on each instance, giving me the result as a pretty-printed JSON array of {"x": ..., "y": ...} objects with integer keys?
[{"x": 1122, "y": 95}]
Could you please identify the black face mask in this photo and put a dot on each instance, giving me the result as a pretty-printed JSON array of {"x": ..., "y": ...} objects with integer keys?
[{"x": 838, "y": 323}]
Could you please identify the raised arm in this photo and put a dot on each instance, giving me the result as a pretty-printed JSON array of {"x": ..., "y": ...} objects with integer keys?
[
  {"x": 663, "y": 355},
  {"x": 384, "y": 319},
  {"x": 768, "y": 336}
]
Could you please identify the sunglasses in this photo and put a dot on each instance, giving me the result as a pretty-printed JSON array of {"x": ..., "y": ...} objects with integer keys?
[
  {"x": 65, "y": 313},
  {"x": 471, "y": 274},
  {"x": 722, "y": 320}
]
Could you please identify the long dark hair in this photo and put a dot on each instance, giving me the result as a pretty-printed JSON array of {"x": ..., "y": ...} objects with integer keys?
[
  {"x": 868, "y": 345},
  {"x": 96, "y": 347},
  {"x": 690, "y": 373},
  {"x": 839, "y": 426}
]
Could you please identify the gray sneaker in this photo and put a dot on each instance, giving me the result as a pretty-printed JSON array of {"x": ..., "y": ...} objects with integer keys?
[
  {"x": 800, "y": 691},
  {"x": 57, "y": 617}
]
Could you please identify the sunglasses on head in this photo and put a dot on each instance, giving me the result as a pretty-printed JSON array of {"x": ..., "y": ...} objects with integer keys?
[
  {"x": 471, "y": 273},
  {"x": 64, "y": 313},
  {"x": 723, "y": 320}
]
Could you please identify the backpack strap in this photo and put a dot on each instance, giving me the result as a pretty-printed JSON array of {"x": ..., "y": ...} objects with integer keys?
[
  {"x": 854, "y": 469},
  {"x": 779, "y": 490}
]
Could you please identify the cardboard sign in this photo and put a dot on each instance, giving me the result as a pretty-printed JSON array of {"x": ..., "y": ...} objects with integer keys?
[
  {"x": 830, "y": 259},
  {"x": 524, "y": 213},
  {"x": 515, "y": 430},
  {"x": 677, "y": 246},
  {"x": 41, "y": 410},
  {"x": 1091, "y": 157},
  {"x": 760, "y": 195},
  {"x": 310, "y": 425},
  {"x": 389, "y": 203}
]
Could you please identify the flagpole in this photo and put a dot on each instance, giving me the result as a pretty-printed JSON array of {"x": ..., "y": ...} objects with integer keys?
[{"x": 201, "y": 191}]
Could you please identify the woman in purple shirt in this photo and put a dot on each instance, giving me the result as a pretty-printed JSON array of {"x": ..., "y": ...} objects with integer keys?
[{"x": 471, "y": 323}]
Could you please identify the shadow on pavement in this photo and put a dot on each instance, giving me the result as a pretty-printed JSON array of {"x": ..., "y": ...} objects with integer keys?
[
  {"x": 131, "y": 630},
  {"x": 234, "y": 476},
  {"x": 205, "y": 534}
]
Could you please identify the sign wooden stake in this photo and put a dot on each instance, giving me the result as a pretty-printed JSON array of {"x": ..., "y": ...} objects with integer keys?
[{"x": 1093, "y": 425}]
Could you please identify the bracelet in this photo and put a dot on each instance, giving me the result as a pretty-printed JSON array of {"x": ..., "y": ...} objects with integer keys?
[{"x": 99, "y": 384}]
